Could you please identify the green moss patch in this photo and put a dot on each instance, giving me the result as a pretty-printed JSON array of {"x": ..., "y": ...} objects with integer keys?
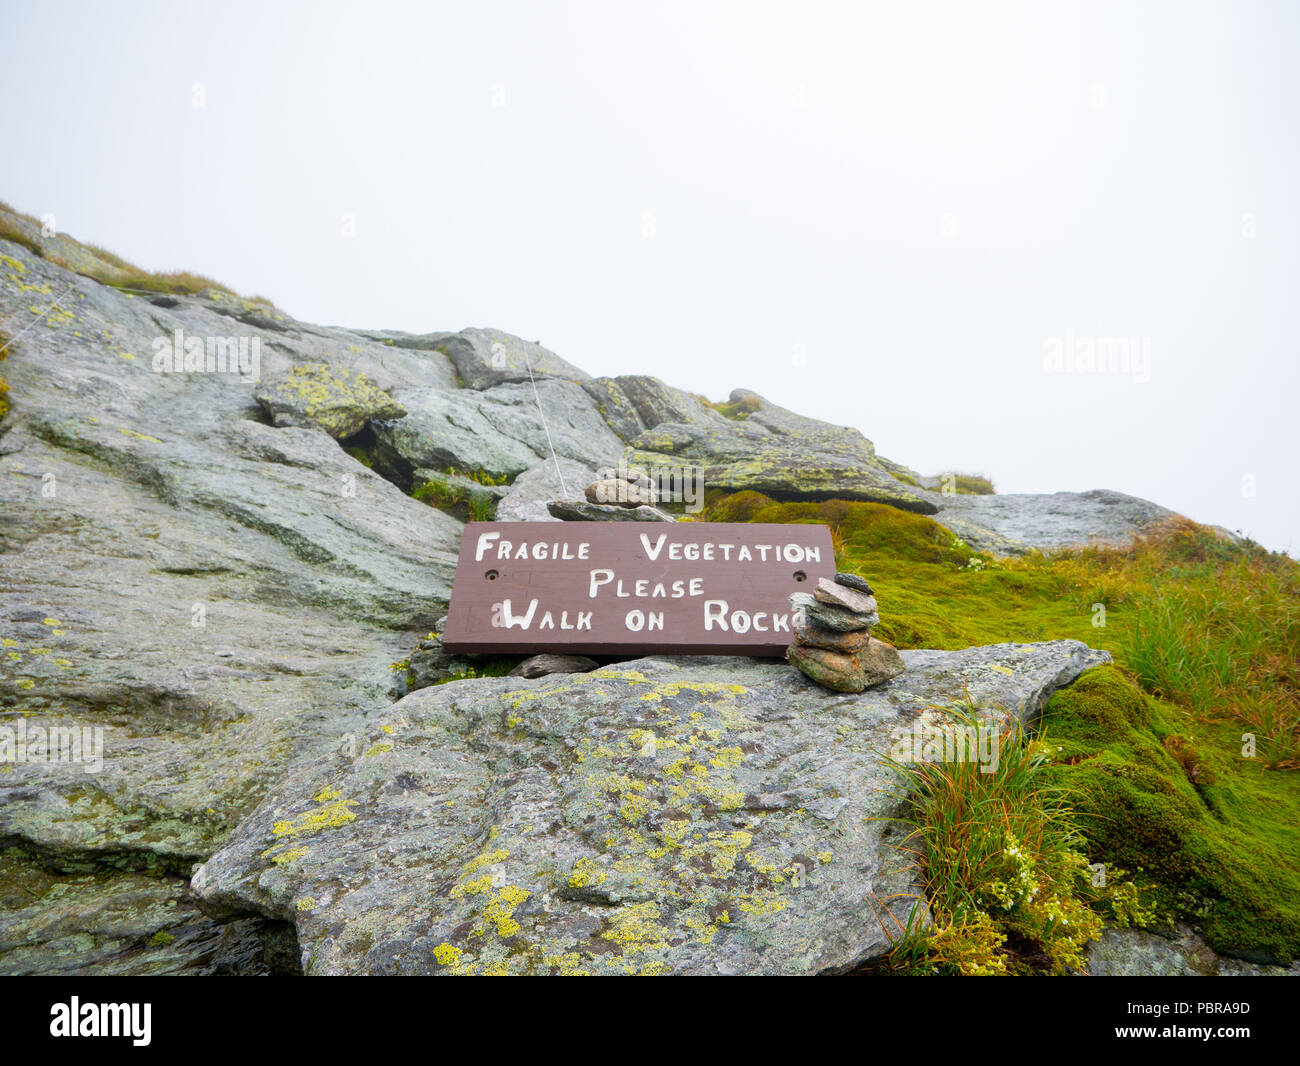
[
  {"x": 484, "y": 667},
  {"x": 466, "y": 496},
  {"x": 1210, "y": 835}
]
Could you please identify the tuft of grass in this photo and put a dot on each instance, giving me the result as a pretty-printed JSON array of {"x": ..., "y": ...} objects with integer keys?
[
  {"x": 966, "y": 484},
  {"x": 178, "y": 283},
  {"x": 111, "y": 258},
  {"x": 1003, "y": 859},
  {"x": 437, "y": 494},
  {"x": 104, "y": 266},
  {"x": 1226, "y": 644},
  {"x": 497, "y": 667},
  {"x": 459, "y": 499},
  {"x": 737, "y": 410},
  {"x": 9, "y": 231}
]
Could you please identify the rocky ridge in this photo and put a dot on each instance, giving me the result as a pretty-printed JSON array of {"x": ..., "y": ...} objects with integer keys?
[{"x": 221, "y": 573}]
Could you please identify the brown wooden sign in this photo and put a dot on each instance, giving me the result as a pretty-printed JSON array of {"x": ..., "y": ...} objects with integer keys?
[{"x": 610, "y": 588}]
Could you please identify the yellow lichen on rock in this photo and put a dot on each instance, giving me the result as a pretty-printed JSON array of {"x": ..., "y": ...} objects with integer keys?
[
  {"x": 486, "y": 858},
  {"x": 501, "y": 909},
  {"x": 447, "y": 954},
  {"x": 585, "y": 873},
  {"x": 328, "y": 816},
  {"x": 292, "y": 855}
]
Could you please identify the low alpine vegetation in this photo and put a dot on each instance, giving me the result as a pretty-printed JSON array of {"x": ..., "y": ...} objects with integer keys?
[
  {"x": 462, "y": 495},
  {"x": 1180, "y": 761},
  {"x": 1010, "y": 887},
  {"x": 966, "y": 484},
  {"x": 104, "y": 266}
]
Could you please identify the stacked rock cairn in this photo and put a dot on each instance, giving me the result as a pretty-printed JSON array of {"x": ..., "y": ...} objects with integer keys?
[
  {"x": 619, "y": 494},
  {"x": 833, "y": 644}
]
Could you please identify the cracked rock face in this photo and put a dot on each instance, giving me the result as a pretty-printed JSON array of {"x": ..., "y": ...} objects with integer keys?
[
  {"x": 486, "y": 357},
  {"x": 128, "y": 923},
  {"x": 684, "y": 815},
  {"x": 218, "y": 595},
  {"x": 497, "y": 429},
  {"x": 779, "y": 453}
]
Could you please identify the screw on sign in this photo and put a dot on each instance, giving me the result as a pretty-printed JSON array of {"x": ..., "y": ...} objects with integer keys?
[{"x": 700, "y": 588}]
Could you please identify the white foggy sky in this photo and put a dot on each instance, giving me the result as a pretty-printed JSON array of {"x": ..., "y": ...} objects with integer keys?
[{"x": 1093, "y": 163}]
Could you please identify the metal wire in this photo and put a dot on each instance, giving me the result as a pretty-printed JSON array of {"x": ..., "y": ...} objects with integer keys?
[{"x": 554, "y": 458}]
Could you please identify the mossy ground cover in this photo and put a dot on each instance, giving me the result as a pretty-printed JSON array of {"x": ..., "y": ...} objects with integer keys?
[
  {"x": 457, "y": 494},
  {"x": 1181, "y": 759},
  {"x": 1209, "y": 835}
]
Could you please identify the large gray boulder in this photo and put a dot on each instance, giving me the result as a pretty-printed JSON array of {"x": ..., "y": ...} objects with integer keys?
[
  {"x": 615, "y": 407},
  {"x": 531, "y": 491},
  {"x": 633, "y": 403},
  {"x": 487, "y": 357},
  {"x": 1178, "y": 952},
  {"x": 1016, "y": 523},
  {"x": 778, "y": 453},
  {"x": 498, "y": 430},
  {"x": 687, "y": 816},
  {"x": 319, "y": 396}
]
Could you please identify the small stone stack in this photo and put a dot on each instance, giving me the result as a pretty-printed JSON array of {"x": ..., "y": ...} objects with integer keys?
[
  {"x": 833, "y": 644},
  {"x": 619, "y": 494}
]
